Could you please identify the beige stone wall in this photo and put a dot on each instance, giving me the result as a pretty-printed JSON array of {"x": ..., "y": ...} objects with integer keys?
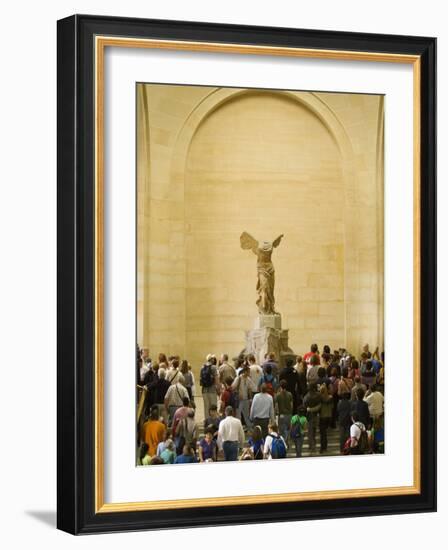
[{"x": 215, "y": 162}]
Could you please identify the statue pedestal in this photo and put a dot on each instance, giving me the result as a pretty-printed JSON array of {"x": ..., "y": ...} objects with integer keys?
[{"x": 267, "y": 337}]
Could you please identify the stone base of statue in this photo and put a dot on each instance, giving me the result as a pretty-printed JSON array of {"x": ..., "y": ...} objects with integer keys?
[{"x": 268, "y": 336}]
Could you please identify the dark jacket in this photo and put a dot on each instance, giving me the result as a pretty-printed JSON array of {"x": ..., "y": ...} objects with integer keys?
[
  {"x": 362, "y": 409},
  {"x": 160, "y": 390},
  {"x": 290, "y": 375},
  {"x": 344, "y": 413},
  {"x": 312, "y": 399}
]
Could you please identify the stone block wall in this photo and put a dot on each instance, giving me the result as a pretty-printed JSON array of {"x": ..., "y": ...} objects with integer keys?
[{"x": 214, "y": 162}]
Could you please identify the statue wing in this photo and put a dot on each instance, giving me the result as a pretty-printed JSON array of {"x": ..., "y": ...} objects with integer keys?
[
  {"x": 277, "y": 241},
  {"x": 248, "y": 242}
]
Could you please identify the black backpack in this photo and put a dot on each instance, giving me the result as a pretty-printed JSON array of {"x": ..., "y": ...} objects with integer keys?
[
  {"x": 206, "y": 378},
  {"x": 363, "y": 441}
]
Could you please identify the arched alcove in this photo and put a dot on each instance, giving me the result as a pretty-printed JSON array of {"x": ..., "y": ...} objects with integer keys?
[
  {"x": 265, "y": 163},
  {"x": 213, "y": 162}
]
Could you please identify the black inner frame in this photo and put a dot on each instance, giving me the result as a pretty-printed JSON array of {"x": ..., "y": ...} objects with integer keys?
[{"x": 76, "y": 262}]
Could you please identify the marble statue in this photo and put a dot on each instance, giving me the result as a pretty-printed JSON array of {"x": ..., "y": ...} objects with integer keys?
[{"x": 265, "y": 271}]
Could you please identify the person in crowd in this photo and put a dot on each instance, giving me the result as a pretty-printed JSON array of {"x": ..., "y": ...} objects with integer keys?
[
  {"x": 344, "y": 418},
  {"x": 212, "y": 420},
  {"x": 274, "y": 446},
  {"x": 333, "y": 386},
  {"x": 366, "y": 351},
  {"x": 207, "y": 448},
  {"x": 187, "y": 456},
  {"x": 272, "y": 363},
  {"x": 153, "y": 432},
  {"x": 173, "y": 374},
  {"x": 209, "y": 382},
  {"x": 345, "y": 383},
  {"x": 145, "y": 364},
  {"x": 312, "y": 374},
  {"x": 290, "y": 375},
  {"x": 256, "y": 442},
  {"x": 243, "y": 387},
  {"x": 162, "y": 445},
  {"x": 299, "y": 363},
  {"x": 312, "y": 401},
  {"x": 247, "y": 453},
  {"x": 269, "y": 380},
  {"x": 325, "y": 414},
  {"x": 360, "y": 407},
  {"x": 174, "y": 399},
  {"x": 155, "y": 460},
  {"x": 187, "y": 432},
  {"x": 162, "y": 360},
  {"x": 375, "y": 401},
  {"x": 230, "y": 435},
  {"x": 299, "y": 428},
  {"x": 302, "y": 383},
  {"x": 180, "y": 414},
  {"x": 168, "y": 455},
  {"x": 314, "y": 351},
  {"x": 256, "y": 371},
  {"x": 354, "y": 371},
  {"x": 143, "y": 458},
  {"x": 322, "y": 378},
  {"x": 335, "y": 362},
  {"x": 160, "y": 389},
  {"x": 188, "y": 378},
  {"x": 358, "y": 434},
  {"x": 363, "y": 365},
  {"x": 356, "y": 386},
  {"x": 325, "y": 360},
  {"x": 378, "y": 435},
  {"x": 369, "y": 376},
  {"x": 225, "y": 369},
  {"x": 262, "y": 409},
  {"x": 284, "y": 404},
  {"x": 228, "y": 397}
]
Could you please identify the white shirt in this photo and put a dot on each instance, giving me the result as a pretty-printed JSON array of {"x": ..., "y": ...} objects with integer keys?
[
  {"x": 174, "y": 376},
  {"x": 255, "y": 373},
  {"x": 175, "y": 394},
  {"x": 268, "y": 445},
  {"x": 143, "y": 370},
  {"x": 230, "y": 429},
  {"x": 356, "y": 430},
  {"x": 375, "y": 401}
]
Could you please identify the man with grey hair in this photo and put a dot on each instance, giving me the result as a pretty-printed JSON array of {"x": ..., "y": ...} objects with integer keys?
[{"x": 230, "y": 435}]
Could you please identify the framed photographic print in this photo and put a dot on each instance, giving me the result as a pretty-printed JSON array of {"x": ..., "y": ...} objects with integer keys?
[{"x": 246, "y": 238}]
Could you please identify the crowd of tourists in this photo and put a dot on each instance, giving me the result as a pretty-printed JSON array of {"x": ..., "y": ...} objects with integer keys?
[{"x": 257, "y": 411}]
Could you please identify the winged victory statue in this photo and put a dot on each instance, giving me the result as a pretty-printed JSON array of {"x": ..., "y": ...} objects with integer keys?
[{"x": 265, "y": 270}]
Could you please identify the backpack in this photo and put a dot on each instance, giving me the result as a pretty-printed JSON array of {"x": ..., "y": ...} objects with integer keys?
[
  {"x": 363, "y": 441},
  {"x": 296, "y": 430},
  {"x": 278, "y": 447},
  {"x": 206, "y": 377}
]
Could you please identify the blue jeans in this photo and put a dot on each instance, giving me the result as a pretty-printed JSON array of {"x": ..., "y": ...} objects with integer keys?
[
  {"x": 284, "y": 425},
  {"x": 230, "y": 449}
]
